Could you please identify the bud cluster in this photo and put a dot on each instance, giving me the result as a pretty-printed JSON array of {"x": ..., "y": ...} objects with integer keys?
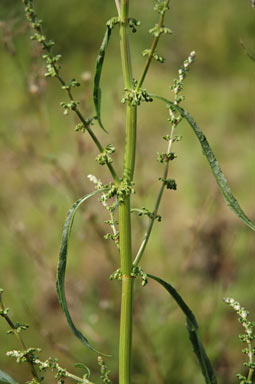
[
  {"x": 136, "y": 96},
  {"x": 157, "y": 30},
  {"x": 155, "y": 55},
  {"x": 110, "y": 208},
  {"x": 146, "y": 212},
  {"x": 104, "y": 371},
  {"x": 161, "y": 6},
  {"x": 177, "y": 87},
  {"x": 133, "y": 24},
  {"x": 103, "y": 157}
]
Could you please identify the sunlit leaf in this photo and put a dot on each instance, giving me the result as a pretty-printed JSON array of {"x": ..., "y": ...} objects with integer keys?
[
  {"x": 4, "y": 378},
  {"x": 61, "y": 270},
  {"x": 97, "y": 93},
  {"x": 192, "y": 327},
  {"x": 214, "y": 165}
]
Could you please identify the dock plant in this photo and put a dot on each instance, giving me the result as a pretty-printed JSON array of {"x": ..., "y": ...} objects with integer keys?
[{"x": 116, "y": 195}]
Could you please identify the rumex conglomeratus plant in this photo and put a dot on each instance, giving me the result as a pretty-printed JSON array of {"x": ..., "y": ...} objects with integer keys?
[{"x": 116, "y": 195}]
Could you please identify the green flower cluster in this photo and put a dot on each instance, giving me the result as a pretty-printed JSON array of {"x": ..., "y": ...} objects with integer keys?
[
  {"x": 136, "y": 96},
  {"x": 103, "y": 157}
]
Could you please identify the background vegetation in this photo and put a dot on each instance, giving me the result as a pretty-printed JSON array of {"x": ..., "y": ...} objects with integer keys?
[{"x": 200, "y": 246}]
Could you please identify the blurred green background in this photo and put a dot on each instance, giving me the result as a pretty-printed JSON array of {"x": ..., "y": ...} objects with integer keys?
[{"x": 200, "y": 246}]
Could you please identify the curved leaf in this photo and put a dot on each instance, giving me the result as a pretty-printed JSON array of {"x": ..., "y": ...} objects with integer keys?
[
  {"x": 97, "y": 93},
  {"x": 192, "y": 327},
  {"x": 4, "y": 378},
  {"x": 216, "y": 170},
  {"x": 185, "y": 309},
  {"x": 198, "y": 348},
  {"x": 61, "y": 270}
]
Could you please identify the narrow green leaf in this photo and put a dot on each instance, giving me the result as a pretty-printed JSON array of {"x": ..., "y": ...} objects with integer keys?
[
  {"x": 192, "y": 327},
  {"x": 61, "y": 270},
  {"x": 185, "y": 309},
  {"x": 4, "y": 378},
  {"x": 202, "y": 357},
  {"x": 216, "y": 170},
  {"x": 97, "y": 93}
]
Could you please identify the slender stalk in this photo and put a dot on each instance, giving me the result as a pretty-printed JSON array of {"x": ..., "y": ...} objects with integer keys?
[
  {"x": 19, "y": 338},
  {"x": 153, "y": 49},
  {"x": 67, "y": 374},
  {"x": 131, "y": 121},
  {"x": 126, "y": 319},
  {"x": 250, "y": 354},
  {"x": 125, "y": 344},
  {"x": 117, "y": 6},
  {"x": 156, "y": 207}
]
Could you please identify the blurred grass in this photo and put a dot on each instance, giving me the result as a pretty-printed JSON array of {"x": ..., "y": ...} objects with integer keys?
[{"x": 200, "y": 247}]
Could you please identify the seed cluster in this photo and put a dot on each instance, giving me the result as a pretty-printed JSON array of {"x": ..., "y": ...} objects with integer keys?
[{"x": 247, "y": 337}]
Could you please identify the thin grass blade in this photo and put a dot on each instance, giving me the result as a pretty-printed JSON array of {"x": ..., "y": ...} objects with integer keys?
[
  {"x": 6, "y": 379},
  {"x": 61, "y": 269},
  {"x": 221, "y": 180},
  {"x": 192, "y": 327},
  {"x": 97, "y": 93}
]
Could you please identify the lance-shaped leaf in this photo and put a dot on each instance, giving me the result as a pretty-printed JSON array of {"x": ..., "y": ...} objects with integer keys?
[
  {"x": 214, "y": 165},
  {"x": 192, "y": 327},
  {"x": 97, "y": 93},
  {"x": 198, "y": 348},
  {"x": 6, "y": 379},
  {"x": 61, "y": 270}
]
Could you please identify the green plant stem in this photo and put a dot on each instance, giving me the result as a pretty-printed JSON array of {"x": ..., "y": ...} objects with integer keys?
[
  {"x": 130, "y": 151},
  {"x": 125, "y": 344},
  {"x": 139, "y": 85},
  {"x": 126, "y": 320},
  {"x": 152, "y": 50},
  {"x": 125, "y": 237},
  {"x": 68, "y": 374},
  {"x": 19, "y": 338},
  {"x": 117, "y": 6},
  {"x": 156, "y": 207},
  {"x": 250, "y": 354},
  {"x": 250, "y": 376},
  {"x": 124, "y": 44}
]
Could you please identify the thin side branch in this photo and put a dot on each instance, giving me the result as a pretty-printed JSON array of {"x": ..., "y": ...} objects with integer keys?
[
  {"x": 4, "y": 314},
  {"x": 118, "y": 6},
  {"x": 245, "y": 49}
]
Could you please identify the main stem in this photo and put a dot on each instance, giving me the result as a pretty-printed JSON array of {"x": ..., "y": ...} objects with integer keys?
[{"x": 125, "y": 346}]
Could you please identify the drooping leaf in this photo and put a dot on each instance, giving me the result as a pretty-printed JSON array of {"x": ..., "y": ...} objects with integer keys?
[
  {"x": 97, "y": 93},
  {"x": 202, "y": 357},
  {"x": 4, "y": 378},
  {"x": 185, "y": 309},
  {"x": 61, "y": 269},
  {"x": 192, "y": 327},
  {"x": 214, "y": 165}
]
